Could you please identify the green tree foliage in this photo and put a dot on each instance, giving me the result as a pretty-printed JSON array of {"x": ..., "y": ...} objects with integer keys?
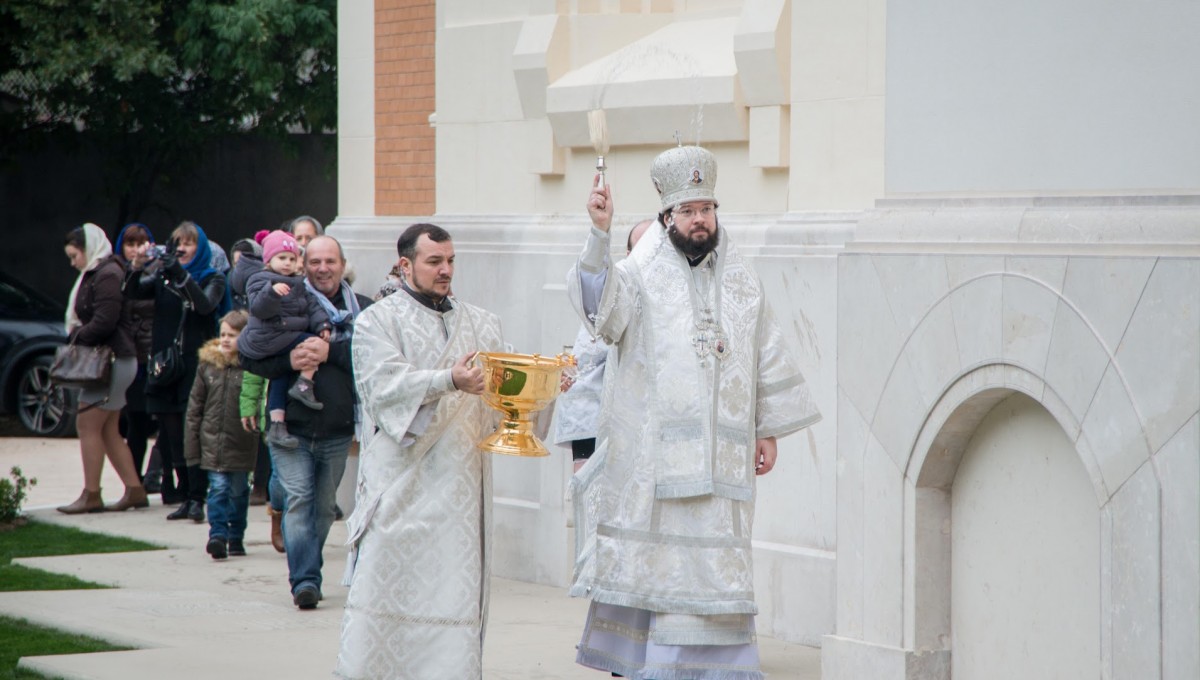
[{"x": 153, "y": 84}]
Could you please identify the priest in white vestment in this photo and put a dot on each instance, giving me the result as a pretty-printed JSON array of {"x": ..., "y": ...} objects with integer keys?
[
  {"x": 702, "y": 386},
  {"x": 420, "y": 532}
]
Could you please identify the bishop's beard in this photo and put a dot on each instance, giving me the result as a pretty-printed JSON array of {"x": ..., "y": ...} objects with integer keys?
[{"x": 694, "y": 250}]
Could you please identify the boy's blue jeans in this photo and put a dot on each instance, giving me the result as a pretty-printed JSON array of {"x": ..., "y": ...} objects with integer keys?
[{"x": 228, "y": 502}]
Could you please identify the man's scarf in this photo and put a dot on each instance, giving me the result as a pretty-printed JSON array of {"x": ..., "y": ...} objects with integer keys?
[{"x": 342, "y": 319}]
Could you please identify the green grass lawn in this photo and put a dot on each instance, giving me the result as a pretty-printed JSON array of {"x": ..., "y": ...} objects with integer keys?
[
  {"x": 38, "y": 539},
  {"x": 20, "y": 638}
]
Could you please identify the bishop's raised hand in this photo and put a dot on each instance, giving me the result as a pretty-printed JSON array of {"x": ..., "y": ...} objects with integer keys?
[{"x": 600, "y": 205}]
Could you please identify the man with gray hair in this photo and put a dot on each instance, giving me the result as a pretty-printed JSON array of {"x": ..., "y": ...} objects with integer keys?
[{"x": 702, "y": 387}]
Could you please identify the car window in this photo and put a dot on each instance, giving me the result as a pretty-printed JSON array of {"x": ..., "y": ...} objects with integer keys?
[{"x": 18, "y": 302}]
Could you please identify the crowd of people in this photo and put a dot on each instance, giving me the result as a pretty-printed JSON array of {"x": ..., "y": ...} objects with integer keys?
[
  {"x": 208, "y": 348},
  {"x": 684, "y": 385}
]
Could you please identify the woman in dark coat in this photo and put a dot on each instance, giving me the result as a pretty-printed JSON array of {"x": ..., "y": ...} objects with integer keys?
[
  {"x": 94, "y": 319},
  {"x": 186, "y": 288},
  {"x": 139, "y": 315}
]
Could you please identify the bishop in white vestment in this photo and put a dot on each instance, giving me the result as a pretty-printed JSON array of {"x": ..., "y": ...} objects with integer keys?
[
  {"x": 703, "y": 385},
  {"x": 420, "y": 532}
]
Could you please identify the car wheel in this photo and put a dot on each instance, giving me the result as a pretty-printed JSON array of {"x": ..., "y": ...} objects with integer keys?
[{"x": 44, "y": 409}]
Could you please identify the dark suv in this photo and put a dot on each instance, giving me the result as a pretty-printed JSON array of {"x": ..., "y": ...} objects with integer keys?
[{"x": 31, "y": 329}]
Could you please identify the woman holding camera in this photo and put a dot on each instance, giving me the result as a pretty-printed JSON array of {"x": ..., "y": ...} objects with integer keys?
[
  {"x": 189, "y": 296},
  {"x": 94, "y": 319},
  {"x": 139, "y": 315}
]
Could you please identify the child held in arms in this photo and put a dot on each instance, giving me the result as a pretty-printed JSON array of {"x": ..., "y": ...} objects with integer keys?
[{"x": 284, "y": 312}]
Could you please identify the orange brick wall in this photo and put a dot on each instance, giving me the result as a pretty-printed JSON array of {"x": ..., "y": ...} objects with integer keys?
[{"x": 404, "y": 98}]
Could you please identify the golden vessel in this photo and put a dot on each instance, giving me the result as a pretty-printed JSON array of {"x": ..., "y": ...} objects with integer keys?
[{"x": 519, "y": 385}]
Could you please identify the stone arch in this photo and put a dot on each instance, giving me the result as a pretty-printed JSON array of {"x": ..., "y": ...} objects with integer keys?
[
  {"x": 927, "y": 438},
  {"x": 933, "y": 463},
  {"x": 921, "y": 375}
]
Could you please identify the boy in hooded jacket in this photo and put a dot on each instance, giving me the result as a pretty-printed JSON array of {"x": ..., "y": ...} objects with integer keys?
[{"x": 215, "y": 440}]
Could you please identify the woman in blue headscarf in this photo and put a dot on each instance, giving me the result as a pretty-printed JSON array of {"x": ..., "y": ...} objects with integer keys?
[{"x": 189, "y": 296}]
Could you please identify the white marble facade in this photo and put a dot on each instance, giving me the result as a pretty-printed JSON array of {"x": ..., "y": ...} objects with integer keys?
[{"x": 993, "y": 223}]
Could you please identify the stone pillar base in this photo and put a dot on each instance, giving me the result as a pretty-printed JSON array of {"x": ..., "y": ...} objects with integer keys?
[{"x": 847, "y": 659}]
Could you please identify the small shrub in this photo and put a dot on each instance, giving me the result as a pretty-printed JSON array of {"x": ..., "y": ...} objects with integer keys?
[{"x": 12, "y": 494}]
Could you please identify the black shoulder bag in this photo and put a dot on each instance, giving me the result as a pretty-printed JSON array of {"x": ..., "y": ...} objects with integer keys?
[{"x": 166, "y": 365}]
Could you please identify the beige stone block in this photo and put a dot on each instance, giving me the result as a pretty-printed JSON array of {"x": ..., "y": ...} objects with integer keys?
[
  {"x": 1135, "y": 579},
  {"x": 682, "y": 77},
  {"x": 963, "y": 268},
  {"x": 1047, "y": 270},
  {"x": 932, "y": 352},
  {"x": 868, "y": 340},
  {"x": 1028, "y": 318},
  {"x": 853, "y": 432},
  {"x": 356, "y": 30},
  {"x": 803, "y": 592},
  {"x": 1106, "y": 290},
  {"x": 883, "y": 547},
  {"x": 847, "y": 659},
  {"x": 356, "y": 99},
  {"x": 356, "y": 175},
  {"x": 1179, "y": 469},
  {"x": 838, "y": 49},
  {"x": 770, "y": 136},
  {"x": 914, "y": 285},
  {"x": 474, "y": 66},
  {"x": 762, "y": 48},
  {"x": 1075, "y": 362},
  {"x": 545, "y": 157},
  {"x": 1114, "y": 432},
  {"x": 457, "y": 148},
  {"x": 837, "y": 154},
  {"x": 540, "y": 57},
  {"x": 1159, "y": 355},
  {"x": 977, "y": 307},
  {"x": 927, "y": 570},
  {"x": 902, "y": 410}
]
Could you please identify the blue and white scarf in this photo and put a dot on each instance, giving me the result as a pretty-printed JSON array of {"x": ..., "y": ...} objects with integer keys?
[{"x": 342, "y": 319}]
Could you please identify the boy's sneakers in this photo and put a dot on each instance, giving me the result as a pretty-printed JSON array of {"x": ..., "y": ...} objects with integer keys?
[
  {"x": 304, "y": 392},
  {"x": 277, "y": 435},
  {"x": 218, "y": 549},
  {"x": 236, "y": 548}
]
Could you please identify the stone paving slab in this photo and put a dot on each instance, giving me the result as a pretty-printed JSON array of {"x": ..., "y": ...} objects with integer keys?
[{"x": 194, "y": 618}]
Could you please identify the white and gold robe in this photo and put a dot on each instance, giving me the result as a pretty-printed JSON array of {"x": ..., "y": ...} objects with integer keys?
[
  {"x": 419, "y": 535},
  {"x": 665, "y": 507}
]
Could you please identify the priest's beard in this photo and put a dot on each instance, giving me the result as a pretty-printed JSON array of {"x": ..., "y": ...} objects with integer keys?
[{"x": 692, "y": 249}]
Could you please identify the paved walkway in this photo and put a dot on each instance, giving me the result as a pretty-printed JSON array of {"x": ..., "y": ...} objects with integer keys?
[{"x": 190, "y": 617}]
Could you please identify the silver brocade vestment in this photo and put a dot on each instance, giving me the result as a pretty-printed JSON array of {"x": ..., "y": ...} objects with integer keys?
[
  {"x": 665, "y": 507},
  {"x": 417, "y": 606},
  {"x": 577, "y": 411}
]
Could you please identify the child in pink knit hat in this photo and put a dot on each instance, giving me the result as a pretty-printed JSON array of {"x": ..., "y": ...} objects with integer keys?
[{"x": 283, "y": 314}]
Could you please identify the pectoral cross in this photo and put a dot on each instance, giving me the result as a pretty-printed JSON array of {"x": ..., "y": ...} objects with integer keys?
[{"x": 709, "y": 338}]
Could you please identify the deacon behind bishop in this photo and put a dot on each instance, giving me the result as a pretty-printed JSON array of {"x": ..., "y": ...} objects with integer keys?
[
  {"x": 701, "y": 386},
  {"x": 421, "y": 529}
]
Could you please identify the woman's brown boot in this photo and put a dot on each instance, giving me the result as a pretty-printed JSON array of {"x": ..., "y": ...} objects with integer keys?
[
  {"x": 276, "y": 529},
  {"x": 135, "y": 497},
  {"x": 88, "y": 501}
]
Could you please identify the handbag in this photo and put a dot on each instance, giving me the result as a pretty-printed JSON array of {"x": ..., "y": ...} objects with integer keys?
[
  {"x": 166, "y": 365},
  {"x": 81, "y": 366}
]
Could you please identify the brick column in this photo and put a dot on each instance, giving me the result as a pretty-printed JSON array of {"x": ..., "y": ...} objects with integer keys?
[{"x": 404, "y": 98}]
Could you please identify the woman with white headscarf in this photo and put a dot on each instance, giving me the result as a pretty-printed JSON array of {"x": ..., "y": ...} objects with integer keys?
[{"x": 94, "y": 319}]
